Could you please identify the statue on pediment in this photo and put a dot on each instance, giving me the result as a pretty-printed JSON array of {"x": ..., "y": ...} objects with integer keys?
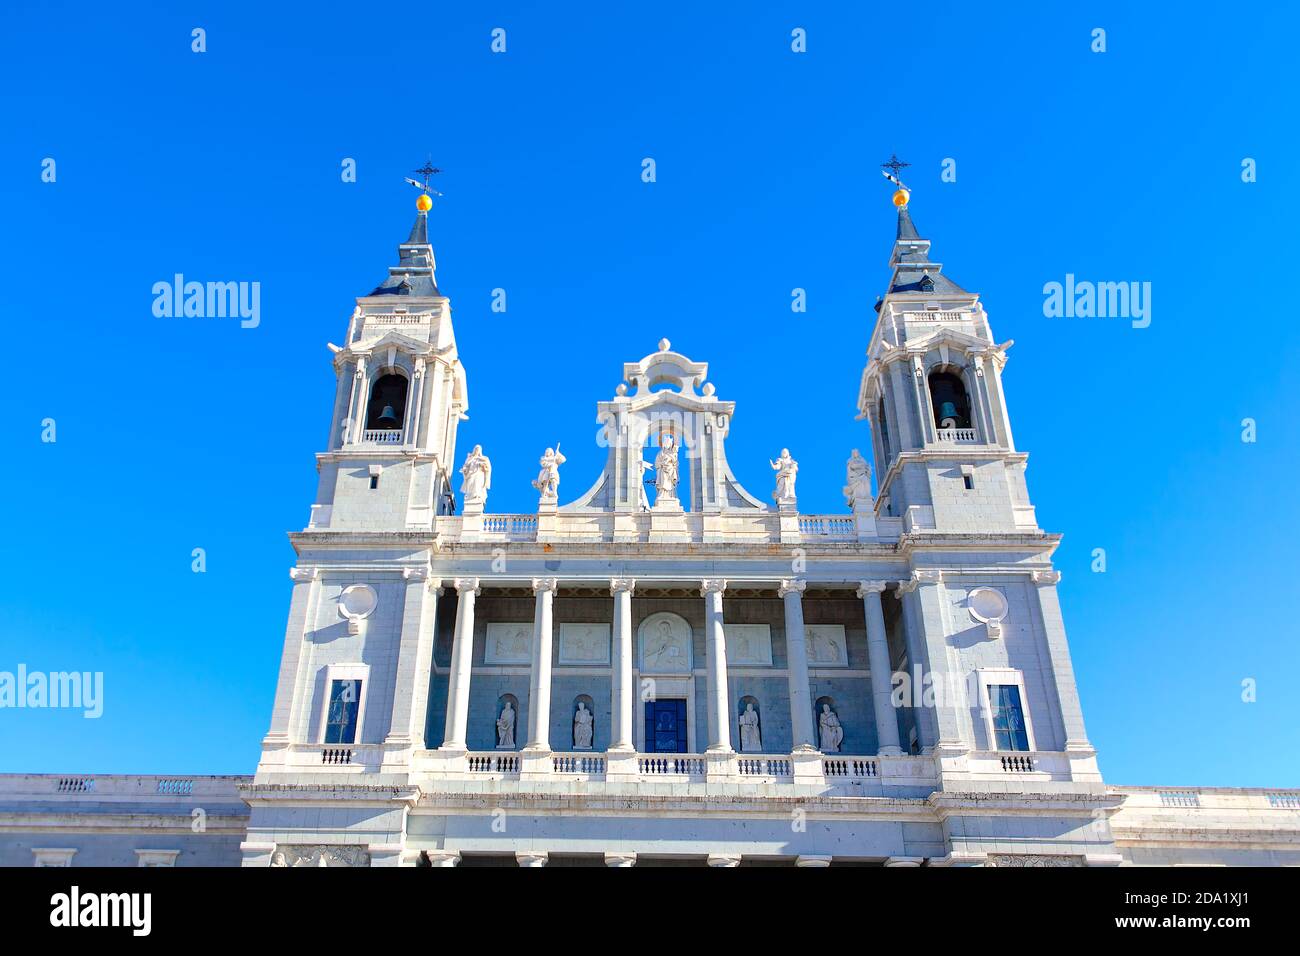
[
  {"x": 857, "y": 487},
  {"x": 786, "y": 468},
  {"x": 666, "y": 468},
  {"x": 548, "y": 480},
  {"x": 477, "y": 477}
]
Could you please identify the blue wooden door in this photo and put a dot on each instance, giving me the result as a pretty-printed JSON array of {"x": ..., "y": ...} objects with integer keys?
[{"x": 665, "y": 726}]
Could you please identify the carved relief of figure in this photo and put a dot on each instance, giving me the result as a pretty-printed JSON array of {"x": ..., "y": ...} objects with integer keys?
[
  {"x": 506, "y": 728},
  {"x": 786, "y": 468},
  {"x": 832, "y": 733},
  {"x": 582, "y": 727},
  {"x": 663, "y": 651},
  {"x": 751, "y": 738},
  {"x": 857, "y": 488},
  {"x": 477, "y": 475},
  {"x": 548, "y": 480},
  {"x": 666, "y": 468}
]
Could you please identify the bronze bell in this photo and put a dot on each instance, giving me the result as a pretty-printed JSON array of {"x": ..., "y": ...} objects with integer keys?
[{"x": 388, "y": 417}]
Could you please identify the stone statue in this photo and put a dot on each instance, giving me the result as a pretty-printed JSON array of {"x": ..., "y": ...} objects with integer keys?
[
  {"x": 786, "y": 468},
  {"x": 506, "y": 728},
  {"x": 857, "y": 488},
  {"x": 477, "y": 474},
  {"x": 666, "y": 468},
  {"x": 751, "y": 738},
  {"x": 832, "y": 733},
  {"x": 582, "y": 727},
  {"x": 548, "y": 480}
]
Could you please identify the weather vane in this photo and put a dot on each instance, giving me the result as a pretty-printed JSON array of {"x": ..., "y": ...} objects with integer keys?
[
  {"x": 890, "y": 171},
  {"x": 428, "y": 170}
]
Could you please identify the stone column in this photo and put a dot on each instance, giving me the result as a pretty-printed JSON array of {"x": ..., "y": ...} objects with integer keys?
[
  {"x": 812, "y": 861},
  {"x": 443, "y": 857},
  {"x": 362, "y": 394},
  {"x": 462, "y": 659},
  {"x": 414, "y": 661},
  {"x": 302, "y": 607},
  {"x": 715, "y": 644},
  {"x": 531, "y": 857},
  {"x": 930, "y": 637},
  {"x": 1076, "y": 744},
  {"x": 796, "y": 649},
  {"x": 621, "y": 693},
  {"x": 539, "y": 688},
  {"x": 881, "y": 672},
  {"x": 924, "y": 407}
]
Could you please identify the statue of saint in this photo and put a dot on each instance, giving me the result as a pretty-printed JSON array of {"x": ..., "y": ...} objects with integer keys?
[
  {"x": 582, "y": 727},
  {"x": 548, "y": 480},
  {"x": 786, "y": 468},
  {"x": 831, "y": 732},
  {"x": 751, "y": 738},
  {"x": 857, "y": 487},
  {"x": 477, "y": 475},
  {"x": 506, "y": 728},
  {"x": 666, "y": 468}
]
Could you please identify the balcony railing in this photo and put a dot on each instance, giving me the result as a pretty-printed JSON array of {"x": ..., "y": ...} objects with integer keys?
[
  {"x": 938, "y": 316},
  {"x": 400, "y": 318},
  {"x": 956, "y": 436},
  {"x": 828, "y": 526},
  {"x": 382, "y": 436}
]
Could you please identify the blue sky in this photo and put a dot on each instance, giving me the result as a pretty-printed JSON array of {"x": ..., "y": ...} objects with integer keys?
[{"x": 177, "y": 434}]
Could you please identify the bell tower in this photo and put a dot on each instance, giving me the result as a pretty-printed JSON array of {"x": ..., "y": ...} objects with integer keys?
[
  {"x": 932, "y": 392},
  {"x": 401, "y": 393}
]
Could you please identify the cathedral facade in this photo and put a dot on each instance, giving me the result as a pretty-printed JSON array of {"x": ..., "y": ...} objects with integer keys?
[{"x": 667, "y": 668}]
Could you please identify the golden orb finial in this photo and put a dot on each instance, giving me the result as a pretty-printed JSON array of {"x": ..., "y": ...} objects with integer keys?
[
  {"x": 424, "y": 203},
  {"x": 901, "y": 197}
]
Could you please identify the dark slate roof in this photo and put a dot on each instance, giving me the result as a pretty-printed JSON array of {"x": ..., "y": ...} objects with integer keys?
[
  {"x": 905, "y": 228},
  {"x": 911, "y": 261},
  {"x": 413, "y": 274}
]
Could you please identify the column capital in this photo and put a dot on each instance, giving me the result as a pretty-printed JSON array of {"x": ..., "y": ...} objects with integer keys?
[
  {"x": 807, "y": 860},
  {"x": 466, "y": 584},
  {"x": 442, "y": 857},
  {"x": 617, "y": 585},
  {"x": 723, "y": 859},
  {"x": 299, "y": 575},
  {"x": 920, "y": 576},
  {"x": 545, "y": 584},
  {"x": 1045, "y": 578},
  {"x": 712, "y": 586},
  {"x": 531, "y": 858},
  {"x": 790, "y": 586},
  {"x": 871, "y": 587},
  {"x": 620, "y": 859},
  {"x": 415, "y": 574}
]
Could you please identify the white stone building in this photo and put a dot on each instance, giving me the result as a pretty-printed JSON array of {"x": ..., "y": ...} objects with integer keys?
[{"x": 669, "y": 669}]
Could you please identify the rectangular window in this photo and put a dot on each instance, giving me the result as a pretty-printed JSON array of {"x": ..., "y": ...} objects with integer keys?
[
  {"x": 968, "y": 481},
  {"x": 374, "y": 482},
  {"x": 1008, "y": 717},
  {"x": 341, "y": 717}
]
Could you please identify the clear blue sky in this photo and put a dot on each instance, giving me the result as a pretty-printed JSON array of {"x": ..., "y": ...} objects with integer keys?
[{"x": 176, "y": 434}]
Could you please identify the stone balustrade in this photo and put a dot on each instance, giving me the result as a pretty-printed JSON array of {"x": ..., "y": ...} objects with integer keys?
[{"x": 382, "y": 436}]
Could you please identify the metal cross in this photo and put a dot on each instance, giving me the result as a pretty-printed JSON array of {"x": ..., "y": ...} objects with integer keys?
[
  {"x": 427, "y": 171},
  {"x": 894, "y": 165}
]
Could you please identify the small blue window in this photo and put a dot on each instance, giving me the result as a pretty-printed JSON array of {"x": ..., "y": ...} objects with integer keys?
[
  {"x": 341, "y": 719},
  {"x": 1008, "y": 717}
]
